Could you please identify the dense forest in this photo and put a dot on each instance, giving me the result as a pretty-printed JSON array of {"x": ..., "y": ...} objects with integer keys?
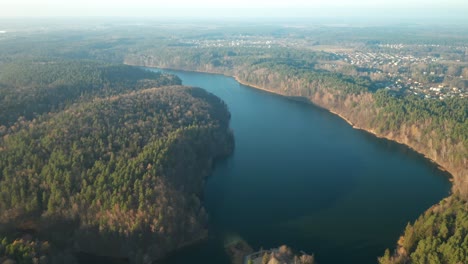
[
  {"x": 29, "y": 88},
  {"x": 117, "y": 173},
  {"x": 440, "y": 235},
  {"x": 46, "y": 95}
]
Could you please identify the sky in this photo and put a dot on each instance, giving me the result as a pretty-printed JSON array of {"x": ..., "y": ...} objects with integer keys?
[{"x": 213, "y": 8}]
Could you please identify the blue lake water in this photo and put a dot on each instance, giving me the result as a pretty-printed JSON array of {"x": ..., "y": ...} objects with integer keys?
[{"x": 303, "y": 177}]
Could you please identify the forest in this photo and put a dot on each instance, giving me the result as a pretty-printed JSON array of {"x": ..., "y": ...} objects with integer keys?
[
  {"x": 440, "y": 235},
  {"x": 51, "y": 82},
  {"x": 30, "y": 88},
  {"x": 116, "y": 170}
]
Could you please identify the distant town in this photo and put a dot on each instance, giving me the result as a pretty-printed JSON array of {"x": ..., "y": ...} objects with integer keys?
[
  {"x": 402, "y": 68},
  {"x": 398, "y": 79}
]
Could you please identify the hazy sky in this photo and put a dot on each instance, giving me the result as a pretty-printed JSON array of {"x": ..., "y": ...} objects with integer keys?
[{"x": 202, "y": 8}]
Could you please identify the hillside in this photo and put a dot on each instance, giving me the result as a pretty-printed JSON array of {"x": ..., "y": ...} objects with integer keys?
[
  {"x": 30, "y": 88},
  {"x": 116, "y": 176}
]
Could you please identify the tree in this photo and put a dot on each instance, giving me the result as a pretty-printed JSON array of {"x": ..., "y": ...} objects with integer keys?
[
  {"x": 307, "y": 259},
  {"x": 465, "y": 72},
  {"x": 265, "y": 258}
]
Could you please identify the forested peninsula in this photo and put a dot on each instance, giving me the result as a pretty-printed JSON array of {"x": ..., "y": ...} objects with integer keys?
[
  {"x": 103, "y": 159},
  {"x": 435, "y": 128}
]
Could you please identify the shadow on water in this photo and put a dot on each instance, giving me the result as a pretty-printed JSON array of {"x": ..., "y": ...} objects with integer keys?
[
  {"x": 211, "y": 248},
  {"x": 83, "y": 257}
]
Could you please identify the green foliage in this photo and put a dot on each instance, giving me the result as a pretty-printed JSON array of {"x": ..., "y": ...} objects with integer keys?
[
  {"x": 386, "y": 259},
  {"x": 107, "y": 153},
  {"x": 29, "y": 88},
  {"x": 442, "y": 123},
  {"x": 290, "y": 71},
  {"x": 438, "y": 236},
  {"x": 120, "y": 169},
  {"x": 265, "y": 258},
  {"x": 23, "y": 251},
  {"x": 442, "y": 236},
  {"x": 412, "y": 108},
  {"x": 50, "y": 165}
]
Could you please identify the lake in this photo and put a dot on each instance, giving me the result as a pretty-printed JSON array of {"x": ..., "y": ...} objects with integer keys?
[{"x": 303, "y": 177}]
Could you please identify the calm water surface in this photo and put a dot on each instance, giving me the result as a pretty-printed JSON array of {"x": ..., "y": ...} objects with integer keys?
[{"x": 303, "y": 177}]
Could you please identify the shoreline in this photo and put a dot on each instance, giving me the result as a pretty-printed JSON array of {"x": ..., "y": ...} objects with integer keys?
[
  {"x": 451, "y": 176},
  {"x": 439, "y": 166},
  {"x": 308, "y": 101}
]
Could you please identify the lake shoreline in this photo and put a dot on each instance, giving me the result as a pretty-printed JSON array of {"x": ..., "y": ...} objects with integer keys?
[
  {"x": 308, "y": 101},
  {"x": 270, "y": 112}
]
